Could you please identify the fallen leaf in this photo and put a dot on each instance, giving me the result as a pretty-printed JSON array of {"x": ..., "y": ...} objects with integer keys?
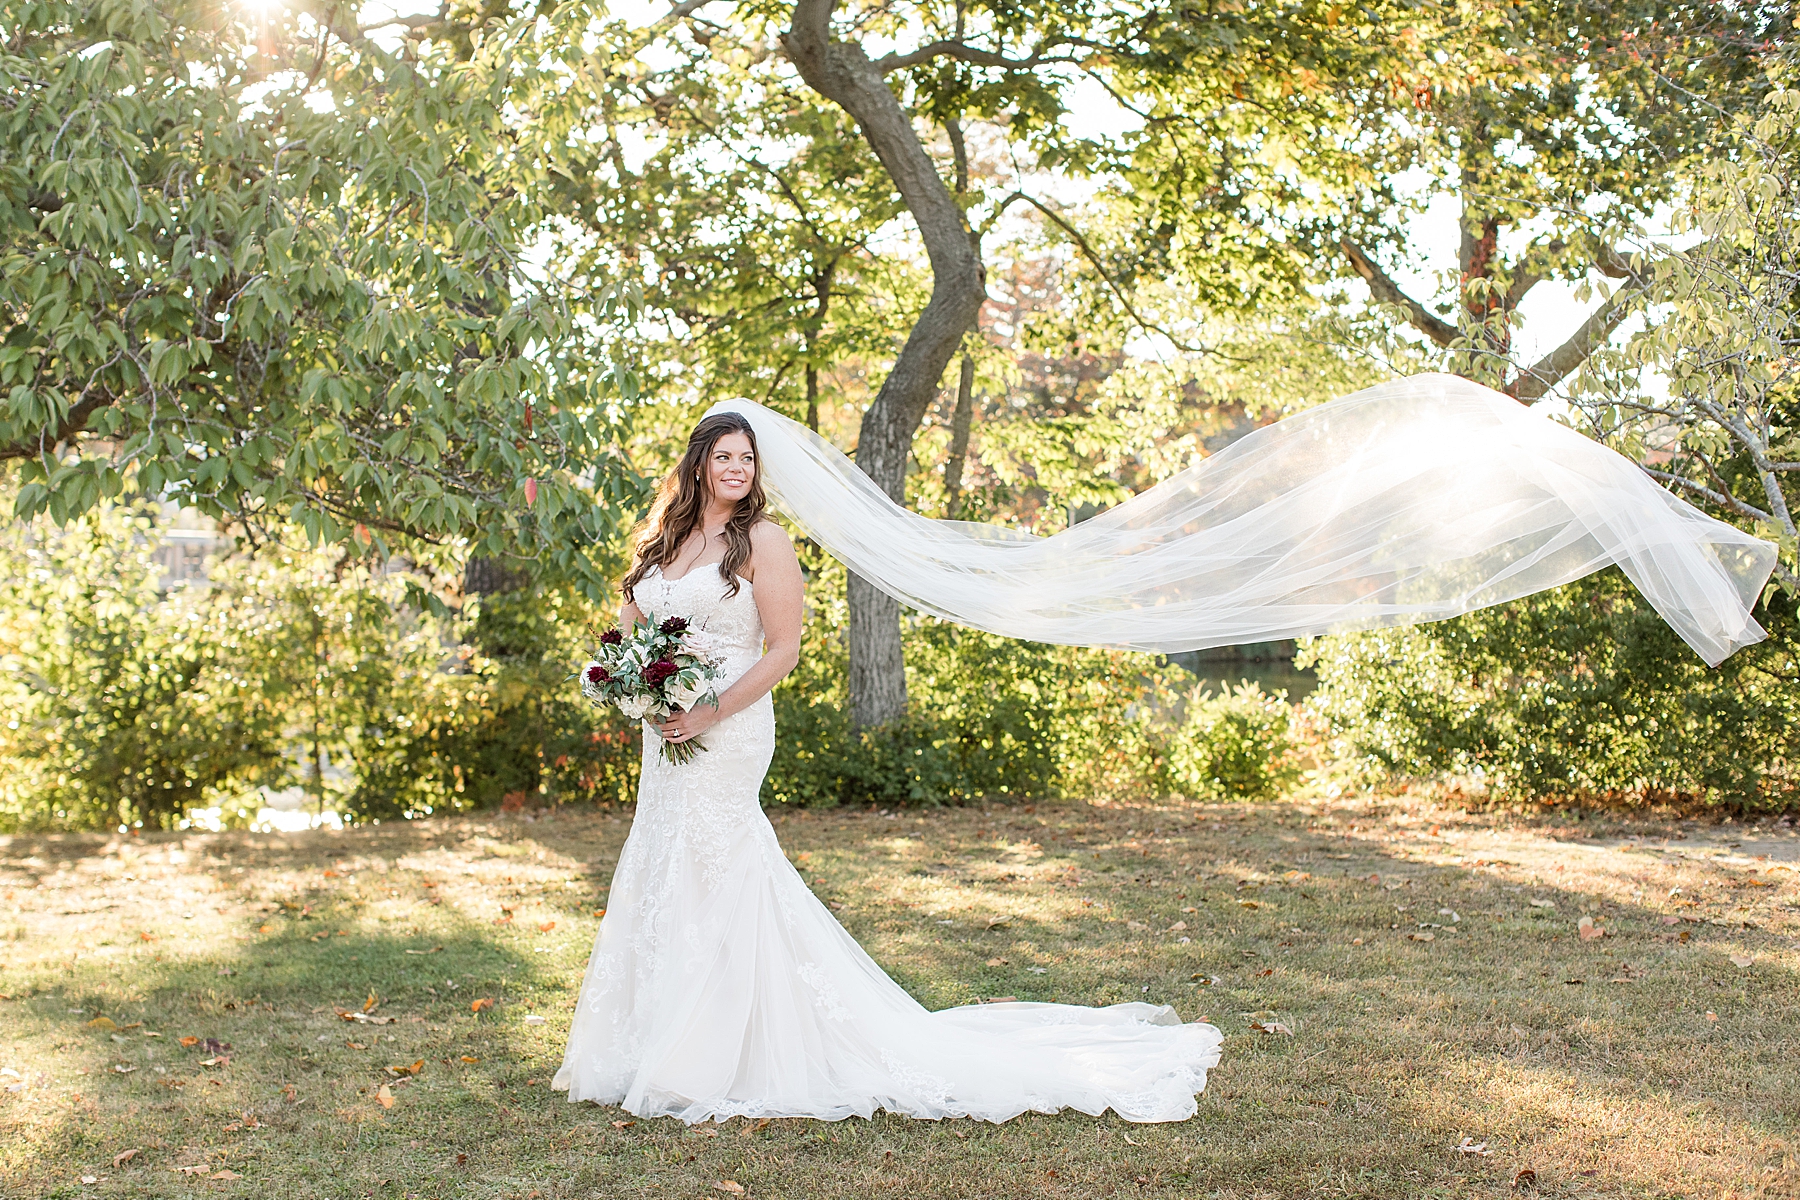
[
  {"x": 123, "y": 1068},
  {"x": 996, "y": 962},
  {"x": 1249, "y": 904},
  {"x": 226, "y": 1174},
  {"x": 1525, "y": 1180},
  {"x": 547, "y": 926},
  {"x": 123, "y": 1157},
  {"x": 90, "y": 1179},
  {"x": 1543, "y": 904},
  {"x": 102, "y": 1023},
  {"x": 481, "y": 1005},
  {"x": 1190, "y": 909},
  {"x": 1712, "y": 1016},
  {"x": 1177, "y": 927},
  {"x": 1136, "y": 925},
  {"x": 1128, "y": 1139},
  {"x": 403, "y": 1069},
  {"x": 199, "y": 1170},
  {"x": 217, "y": 1060},
  {"x": 384, "y": 1096},
  {"x": 534, "y": 1019},
  {"x": 623, "y": 1124},
  {"x": 433, "y": 950},
  {"x": 1265, "y": 971},
  {"x": 468, "y": 1059},
  {"x": 371, "y": 1002},
  {"x": 1471, "y": 1146},
  {"x": 365, "y": 1018},
  {"x": 1668, "y": 919},
  {"x": 189, "y": 1041},
  {"x": 1588, "y": 930},
  {"x": 1422, "y": 937},
  {"x": 356, "y": 1045},
  {"x": 266, "y": 929},
  {"x": 730, "y": 1186},
  {"x": 1741, "y": 960}
]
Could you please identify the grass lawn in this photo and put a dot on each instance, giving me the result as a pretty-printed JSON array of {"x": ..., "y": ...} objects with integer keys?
[{"x": 1438, "y": 1025}]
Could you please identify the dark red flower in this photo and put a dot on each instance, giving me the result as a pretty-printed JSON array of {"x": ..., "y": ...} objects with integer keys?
[
  {"x": 674, "y": 625},
  {"x": 658, "y": 671},
  {"x": 597, "y": 674},
  {"x": 611, "y": 637}
]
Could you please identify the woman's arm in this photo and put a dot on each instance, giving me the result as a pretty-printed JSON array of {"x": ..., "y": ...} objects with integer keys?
[{"x": 781, "y": 603}]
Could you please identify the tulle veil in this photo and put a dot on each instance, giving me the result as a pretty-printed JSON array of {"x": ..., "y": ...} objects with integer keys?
[{"x": 1410, "y": 501}]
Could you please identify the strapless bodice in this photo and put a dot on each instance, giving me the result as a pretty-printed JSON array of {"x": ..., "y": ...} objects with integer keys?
[{"x": 731, "y": 623}]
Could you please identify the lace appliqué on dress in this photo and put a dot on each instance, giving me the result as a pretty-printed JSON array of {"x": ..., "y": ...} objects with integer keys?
[{"x": 820, "y": 982}]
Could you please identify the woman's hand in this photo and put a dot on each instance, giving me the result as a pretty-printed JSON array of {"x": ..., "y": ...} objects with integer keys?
[{"x": 686, "y": 726}]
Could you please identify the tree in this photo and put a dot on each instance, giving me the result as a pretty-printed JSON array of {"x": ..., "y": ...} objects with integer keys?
[
  {"x": 1556, "y": 125},
  {"x": 280, "y": 267},
  {"x": 1010, "y": 71},
  {"x": 1722, "y": 327}
]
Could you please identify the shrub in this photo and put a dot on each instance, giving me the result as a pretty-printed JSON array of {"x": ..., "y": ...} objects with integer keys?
[
  {"x": 125, "y": 705},
  {"x": 1239, "y": 745},
  {"x": 1581, "y": 693},
  {"x": 987, "y": 716},
  {"x": 501, "y": 724},
  {"x": 121, "y": 705}
]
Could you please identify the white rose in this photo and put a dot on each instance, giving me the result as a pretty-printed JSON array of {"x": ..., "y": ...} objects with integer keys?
[
  {"x": 700, "y": 644},
  {"x": 687, "y": 696},
  {"x": 634, "y": 706}
]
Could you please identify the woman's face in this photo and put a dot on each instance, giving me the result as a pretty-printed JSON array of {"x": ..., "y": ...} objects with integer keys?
[{"x": 731, "y": 468}]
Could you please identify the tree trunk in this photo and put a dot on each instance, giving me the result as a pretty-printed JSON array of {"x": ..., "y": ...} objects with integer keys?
[
  {"x": 489, "y": 577},
  {"x": 961, "y": 421},
  {"x": 842, "y": 73}
]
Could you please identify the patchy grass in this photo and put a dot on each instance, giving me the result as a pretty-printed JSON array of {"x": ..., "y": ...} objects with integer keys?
[{"x": 1428, "y": 963}]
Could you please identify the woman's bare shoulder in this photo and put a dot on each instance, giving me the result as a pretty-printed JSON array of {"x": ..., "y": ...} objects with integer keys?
[{"x": 768, "y": 535}]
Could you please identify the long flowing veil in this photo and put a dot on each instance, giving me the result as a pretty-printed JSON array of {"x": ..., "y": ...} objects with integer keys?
[{"x": 1408, "y": 502}]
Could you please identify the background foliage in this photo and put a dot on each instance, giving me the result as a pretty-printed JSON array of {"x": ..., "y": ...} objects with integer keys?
[
  {"x": 1578, "y": 694},
  {"x": 356, "y": 293}
]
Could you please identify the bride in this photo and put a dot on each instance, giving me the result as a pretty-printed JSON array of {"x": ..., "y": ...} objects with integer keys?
[{"x": 719, "y": 985}]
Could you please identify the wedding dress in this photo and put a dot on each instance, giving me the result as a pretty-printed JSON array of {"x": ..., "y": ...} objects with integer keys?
[{"x": 720, "y": 986}]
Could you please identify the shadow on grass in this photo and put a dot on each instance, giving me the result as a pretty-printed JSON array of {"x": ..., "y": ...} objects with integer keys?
[{"x": 1400, "y": 1048}]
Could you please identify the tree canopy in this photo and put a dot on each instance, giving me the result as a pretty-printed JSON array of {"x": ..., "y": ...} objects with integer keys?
[{"x": 283, "y": 268}]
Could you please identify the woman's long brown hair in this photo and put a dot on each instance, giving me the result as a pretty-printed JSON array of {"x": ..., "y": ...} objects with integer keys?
[{"x": 681, "y": 503}]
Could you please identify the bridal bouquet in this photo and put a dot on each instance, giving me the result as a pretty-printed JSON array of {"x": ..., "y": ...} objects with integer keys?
[{"x": 660, "y": 669}]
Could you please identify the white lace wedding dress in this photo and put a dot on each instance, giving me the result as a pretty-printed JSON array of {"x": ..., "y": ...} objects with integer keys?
[{"x": 720, "y": 986}]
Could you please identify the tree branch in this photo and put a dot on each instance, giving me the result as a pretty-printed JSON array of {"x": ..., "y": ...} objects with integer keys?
[
  {"x": 74, "y": 423},
  {"x": 1724, "y": 501},
  {"x": 842, "y": 73},
  {"x": 889, "y": 63},
  {"x": 1388, "y": 292},
  {"x": 1535, "y": 381},
  {"x": 1087, "y": 251}
]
